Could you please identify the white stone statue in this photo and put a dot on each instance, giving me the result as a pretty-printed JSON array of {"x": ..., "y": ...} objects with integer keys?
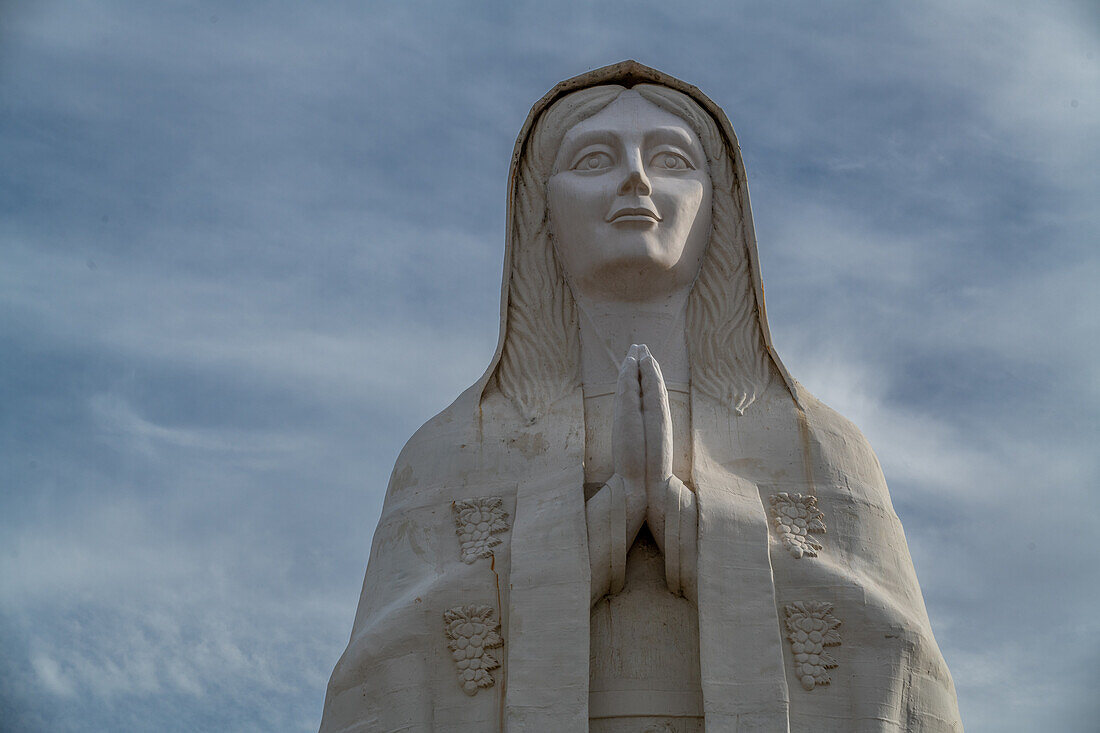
[{"x": 636, "y": 520}]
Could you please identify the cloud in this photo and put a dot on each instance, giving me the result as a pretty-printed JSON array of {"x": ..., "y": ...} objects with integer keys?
[
  {"x": 51, "y": 677},
  {"x": 248, "y": 250}
]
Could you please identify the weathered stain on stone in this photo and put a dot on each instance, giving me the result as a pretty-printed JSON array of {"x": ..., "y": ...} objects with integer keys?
[
  {"x": 530, "y": 445},
  {"x": 403, "y": 480}
]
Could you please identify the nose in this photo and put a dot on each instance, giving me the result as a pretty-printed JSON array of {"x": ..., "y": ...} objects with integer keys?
[{"x": 635, "y": 181}]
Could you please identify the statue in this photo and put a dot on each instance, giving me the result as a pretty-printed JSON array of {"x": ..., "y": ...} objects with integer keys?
[{"x": 636, "y": 520}]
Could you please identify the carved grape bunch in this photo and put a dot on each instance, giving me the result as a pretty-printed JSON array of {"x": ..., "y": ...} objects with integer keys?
[
  {"x": 811, "y": 627},
  {"x": 471, "y": 632},
  {"x": 795, "y": 517},
  {"x": 477, "y": 522}
]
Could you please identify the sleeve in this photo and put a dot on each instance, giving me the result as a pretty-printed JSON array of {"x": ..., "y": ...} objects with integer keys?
[
  {"x": 681, "y": 538},
  {"x": 609, "y": 537}
]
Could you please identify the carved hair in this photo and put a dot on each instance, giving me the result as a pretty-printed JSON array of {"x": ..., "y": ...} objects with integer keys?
[{"x": 541, "y": 355}]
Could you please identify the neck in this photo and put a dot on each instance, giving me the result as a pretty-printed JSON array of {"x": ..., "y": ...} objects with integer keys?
[{"x": 608, "y": 328}]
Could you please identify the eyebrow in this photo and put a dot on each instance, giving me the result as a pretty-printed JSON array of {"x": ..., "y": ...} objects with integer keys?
[
  {"x": 672, "y": 135},
  {"x": 665, "y": 134},
  {"x": 589, "y": 137}
]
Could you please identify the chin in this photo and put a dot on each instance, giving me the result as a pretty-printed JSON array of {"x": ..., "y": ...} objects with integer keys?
[
  {"x": 632, "y": 276},
  {"x": 642, "y": 249}
]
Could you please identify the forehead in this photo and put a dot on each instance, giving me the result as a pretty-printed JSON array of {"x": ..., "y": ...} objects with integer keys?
[{"x": 630, "y": 114}]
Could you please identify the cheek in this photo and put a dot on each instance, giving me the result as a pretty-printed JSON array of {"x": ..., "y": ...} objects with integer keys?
[
  {"x": 577, "y": 206},
  {"x": 568, "y": 194},
  {"x": 687, "y": 200}
]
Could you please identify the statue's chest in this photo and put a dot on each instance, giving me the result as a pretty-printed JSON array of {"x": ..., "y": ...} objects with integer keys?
[{"x": 644, "y": 650}]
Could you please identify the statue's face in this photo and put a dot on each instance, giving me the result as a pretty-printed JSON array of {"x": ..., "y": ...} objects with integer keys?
[{"x": 630, "y": 202}]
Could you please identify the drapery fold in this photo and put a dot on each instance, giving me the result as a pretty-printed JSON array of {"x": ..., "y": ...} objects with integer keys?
[
  {"x": 546, "y": 687},
  {"x": 740, "y": 645}
]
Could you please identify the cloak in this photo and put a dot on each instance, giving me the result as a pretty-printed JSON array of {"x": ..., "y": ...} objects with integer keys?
[{"x": 474, "y": 613}]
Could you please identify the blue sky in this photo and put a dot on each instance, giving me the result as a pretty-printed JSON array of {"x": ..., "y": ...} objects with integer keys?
[{"x": 249, "y": 247}]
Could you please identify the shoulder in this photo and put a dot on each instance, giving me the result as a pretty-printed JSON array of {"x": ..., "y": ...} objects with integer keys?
[
  {"x": 461, "y": 444},
  {"x": 840, "y": 445},
  {"x": 429, "y": 457}
]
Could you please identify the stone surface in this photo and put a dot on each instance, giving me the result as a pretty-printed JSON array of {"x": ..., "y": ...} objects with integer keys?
[{"x": 642, "y": 550}]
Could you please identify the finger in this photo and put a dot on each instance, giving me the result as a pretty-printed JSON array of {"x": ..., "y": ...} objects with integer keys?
[
  {"x": 628, "y": 398},
  {"x": 653, "y": 382},
  {"x": 657, "y": 416},
  {"x": 628, "y": 376},
  {"x": 628, "y": 389},
  {"x": 634, "y": 351},
  {"x": 628, "y": 429}
]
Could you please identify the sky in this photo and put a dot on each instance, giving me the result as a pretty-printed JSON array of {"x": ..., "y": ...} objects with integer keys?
[{"x": 248, "y": 248}]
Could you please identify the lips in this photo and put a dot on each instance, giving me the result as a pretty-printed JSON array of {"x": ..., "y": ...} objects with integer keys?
[{"x": 634, "y": 213}]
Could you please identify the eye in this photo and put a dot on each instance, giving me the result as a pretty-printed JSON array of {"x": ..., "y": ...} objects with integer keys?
[
  {"x": 595, "y": 161},
  {"x": 671, "y": 162}
]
